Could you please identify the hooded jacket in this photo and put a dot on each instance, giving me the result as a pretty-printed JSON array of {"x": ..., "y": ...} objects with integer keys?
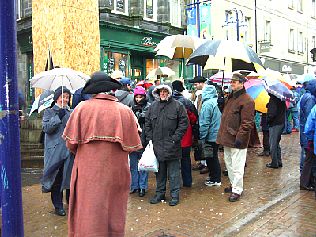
[
  {"x": 125, "y": 97},
  {"x": 307, "y": 102},
  {"x": 165, "y": 124},
  {"x": 276, "y": 111},
  {"x": 210, "y": 115}
]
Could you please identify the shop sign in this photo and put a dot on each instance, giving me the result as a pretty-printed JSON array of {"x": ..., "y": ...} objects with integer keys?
[
  {"x": 148, "y": 42},
  {"x": 264, "y": 47},
  {"x": 286, "y": 68}
]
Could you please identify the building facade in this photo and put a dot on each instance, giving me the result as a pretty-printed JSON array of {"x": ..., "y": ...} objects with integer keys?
[
  {"x": 129, "y": 32},
  {"x": 282, "y": 32}
]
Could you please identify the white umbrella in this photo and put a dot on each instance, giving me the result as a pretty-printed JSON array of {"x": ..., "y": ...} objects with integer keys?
[
  {"x": 42, "y": 102},
  {"x": 160, "y": 71},
  {"x": 52, "y": 79}
]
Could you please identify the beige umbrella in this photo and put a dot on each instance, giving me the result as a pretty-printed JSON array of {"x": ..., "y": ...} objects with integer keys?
[
  {"x": 160, "y": 71},
  {"x": 178, "y": 46}
]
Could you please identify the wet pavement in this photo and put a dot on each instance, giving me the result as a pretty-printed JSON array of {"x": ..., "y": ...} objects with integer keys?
[{"x": 272, "y": 205}]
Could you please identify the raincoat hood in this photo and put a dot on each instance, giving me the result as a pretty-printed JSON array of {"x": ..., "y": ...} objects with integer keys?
[
  {"x": 209, "y": 92},
  {"x": 158, "y": 88},
  {"x": 311, "y": 87},
  {"x": 121, "y": 94}
]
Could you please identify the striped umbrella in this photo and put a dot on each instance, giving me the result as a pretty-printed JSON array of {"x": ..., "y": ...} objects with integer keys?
[{"x": 225, "y": 55}]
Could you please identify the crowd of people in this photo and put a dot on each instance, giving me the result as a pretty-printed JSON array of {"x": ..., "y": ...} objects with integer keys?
[{"x": 100, "y": 141}]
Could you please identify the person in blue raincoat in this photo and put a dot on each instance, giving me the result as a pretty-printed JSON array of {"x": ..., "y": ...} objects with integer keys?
[{"x": 58, "y": 160}]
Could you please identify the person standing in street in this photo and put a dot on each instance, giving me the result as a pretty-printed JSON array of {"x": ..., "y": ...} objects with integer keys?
[
  {"x": 276, "y": 122},
  {"x": 234, "y": 133},
  {"x": 58, "y": 160},
  {"x": 187, "y": 140},
  {"x": 139, "y": 178},
  {"x": 209, "y": 120},
  {"x": 265, "y": 136},
  {"x": 101, "y": 132},
  {"x": 199, "y": 83},
  {"x": 124, "y": 94},
  {"x": 166, "y": 123}
]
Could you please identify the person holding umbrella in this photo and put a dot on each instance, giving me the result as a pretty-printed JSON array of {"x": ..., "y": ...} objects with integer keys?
[
  {"x": 234, "y": 133},
  {"x": 57, "y": 158}
]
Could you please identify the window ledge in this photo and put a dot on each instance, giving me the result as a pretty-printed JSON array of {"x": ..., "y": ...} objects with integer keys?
[
  {"x": 300, "y": 11},
  {"x": 291, "y": 51},
  {"x": 313, "y": 17},
  {"x": 300, "y": 53},
  {"x": 291, "y": 7}
]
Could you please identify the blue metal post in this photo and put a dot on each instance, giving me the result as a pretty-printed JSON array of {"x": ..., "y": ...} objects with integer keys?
[{"x": 10, "y": 160}]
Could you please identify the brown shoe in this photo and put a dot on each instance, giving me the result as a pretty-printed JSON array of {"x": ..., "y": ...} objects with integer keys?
[
  {"x": 234, "y": 197},
  {"x": 228, "y": 189},
  {"x": 204, "y": 170}
]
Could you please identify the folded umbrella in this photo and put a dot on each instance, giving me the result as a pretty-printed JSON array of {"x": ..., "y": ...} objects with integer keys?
[{"x": 42, "y": 102}]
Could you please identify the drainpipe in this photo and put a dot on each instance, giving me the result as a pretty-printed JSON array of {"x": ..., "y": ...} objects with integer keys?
[
  {"x": 10, "y": 160},
  {"x": 256, "y": 30}
]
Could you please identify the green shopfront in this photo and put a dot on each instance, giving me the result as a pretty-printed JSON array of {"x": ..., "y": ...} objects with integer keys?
[{"x": 131, "y": 50}]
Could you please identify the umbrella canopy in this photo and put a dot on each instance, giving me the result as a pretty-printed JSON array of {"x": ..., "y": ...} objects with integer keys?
[
  {"x": 277, "y": 88},
  {"x": 42, "y": 102},
  {"x": 178, "y": 46},
  {"x": 52, "y": 79},
  {"x": 256, "y": 89},
  {"x": 225, "y": 55},
  {"x": 222, "y": 78},
  {"x": 144, "y": 84},
  {"x": 160, "y": 71},
  {"x": 305, "y": 78}
]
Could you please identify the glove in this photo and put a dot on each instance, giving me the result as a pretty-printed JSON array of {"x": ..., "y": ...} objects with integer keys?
[
  {"x": 61, "y": 113},
  {"x": 237, "y": 144}
]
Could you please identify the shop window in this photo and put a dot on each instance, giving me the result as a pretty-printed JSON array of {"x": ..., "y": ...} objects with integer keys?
[
  {"x": 155, "y": 63},
  {"x": 150, "y": 10},
  {"x": 113, "y": 61},
  {"x": 120, "y": 6},
  {"x": 313, "y": 9},
  {"x": 175, "y": 13}
]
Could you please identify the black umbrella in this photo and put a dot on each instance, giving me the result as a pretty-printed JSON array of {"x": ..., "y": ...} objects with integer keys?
[{"x": 232, "y": 55}]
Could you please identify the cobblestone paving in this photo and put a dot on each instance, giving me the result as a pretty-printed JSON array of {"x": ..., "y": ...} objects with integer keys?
[{"x": 271, "y": 205}]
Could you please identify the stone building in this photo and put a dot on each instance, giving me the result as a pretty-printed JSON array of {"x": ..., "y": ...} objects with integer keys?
[{"x": 129, "y": 31}]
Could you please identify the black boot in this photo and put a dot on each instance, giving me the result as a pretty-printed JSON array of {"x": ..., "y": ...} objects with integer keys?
[
  {"x": 157, "y": 198},
  {"x": 174, "y": 201},
  {"x": 141, "y": 192}
]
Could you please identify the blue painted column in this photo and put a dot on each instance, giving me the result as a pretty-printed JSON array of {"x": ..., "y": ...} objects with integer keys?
[{"x": 10, "y": 160}]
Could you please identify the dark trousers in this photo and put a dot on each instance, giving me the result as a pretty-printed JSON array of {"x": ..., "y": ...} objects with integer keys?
[
  {"x": 307, "y": 177},
  {"x": 265, "y": 140},
  {"x": 57, "y": 193},
  {"x": 211, "y": 156},
  {"x": 168, "y": 169},
  {"x": 186, "y": 170},
  {"x": 275, "y": 133}
]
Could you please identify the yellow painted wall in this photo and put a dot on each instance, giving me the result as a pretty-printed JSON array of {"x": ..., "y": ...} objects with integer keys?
[{"x": 70, "y": 29}]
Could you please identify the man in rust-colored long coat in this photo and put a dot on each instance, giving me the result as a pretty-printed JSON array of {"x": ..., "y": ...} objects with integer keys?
[{"x": 100, "y": 132}]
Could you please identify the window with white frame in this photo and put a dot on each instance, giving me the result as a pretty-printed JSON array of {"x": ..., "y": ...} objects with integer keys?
[
  {"x": 300, "y": 5},
  {"x": 313, "y": 41},
  {"x": 291, "y": 40},
  {"x": 313, "y": 9},
  {"x": 300, "y": 42},
  {"x": 267, "y": 31},
  {"x": 175, "y": 13},
  {"x": 246, "y": 30},
  {"x": 120, "y": 6},
  {"x": 291, "y": 4},
  {"x": 150, "y": 10}
]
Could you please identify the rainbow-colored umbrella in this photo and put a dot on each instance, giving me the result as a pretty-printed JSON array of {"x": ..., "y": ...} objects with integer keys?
[{"x": 255, "y": 88}]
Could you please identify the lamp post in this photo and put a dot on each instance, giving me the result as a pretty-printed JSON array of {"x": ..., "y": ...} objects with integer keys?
[
  {"x": 235, "y": 17},
  {"x": 10, "y": 161}
]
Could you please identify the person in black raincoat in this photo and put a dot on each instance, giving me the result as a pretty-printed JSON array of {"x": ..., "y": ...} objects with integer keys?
[
  {"x": 166, "y": 121},
  {"x": 58, "y": 160}
]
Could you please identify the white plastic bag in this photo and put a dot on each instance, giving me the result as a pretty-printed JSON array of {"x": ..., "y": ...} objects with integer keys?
[{"x": 148, "y": 161}]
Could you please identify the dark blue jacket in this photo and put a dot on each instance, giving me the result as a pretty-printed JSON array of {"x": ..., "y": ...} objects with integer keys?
[{"x": 307, "y": 102}]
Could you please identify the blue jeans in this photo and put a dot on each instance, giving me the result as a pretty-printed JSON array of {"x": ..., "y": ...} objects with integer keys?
[
  {"x": 296, "y": 122},
  {"x": 139, "y": 178},
  {"x": 186, "y": 170}
]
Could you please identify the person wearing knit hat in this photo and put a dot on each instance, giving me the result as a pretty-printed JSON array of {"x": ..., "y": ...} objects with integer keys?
[
  {"x": 139, "y": 181},
  {"x": 58, "y": 160}
]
